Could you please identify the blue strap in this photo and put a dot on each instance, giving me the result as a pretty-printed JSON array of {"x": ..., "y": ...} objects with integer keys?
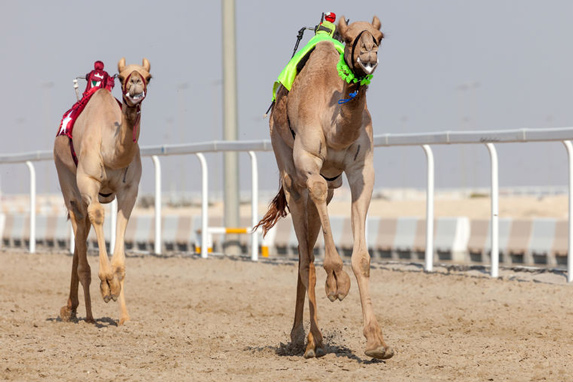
[{"x": 344, "y": 100}]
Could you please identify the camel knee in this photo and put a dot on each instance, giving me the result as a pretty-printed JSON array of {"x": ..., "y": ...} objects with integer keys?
[
  {"x": 318, "y": 189},
  {"x": 96, "y": 214},
  {"x": 75, "y": 211}
]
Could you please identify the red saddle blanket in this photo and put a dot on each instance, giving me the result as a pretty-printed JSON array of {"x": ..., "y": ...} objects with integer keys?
[{"x": 70, "y": 116}]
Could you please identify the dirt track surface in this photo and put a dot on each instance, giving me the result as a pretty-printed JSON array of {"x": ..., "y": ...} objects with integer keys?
[{"x": 222, "y": 319}]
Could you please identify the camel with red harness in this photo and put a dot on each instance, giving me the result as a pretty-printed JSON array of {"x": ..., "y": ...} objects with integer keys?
[
  {"x": 97, "y": 163},
  {"x": 320, "y": 127}
]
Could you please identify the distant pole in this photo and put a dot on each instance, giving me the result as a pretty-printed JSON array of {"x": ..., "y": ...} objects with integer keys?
[{"x": 231, "y": 162}]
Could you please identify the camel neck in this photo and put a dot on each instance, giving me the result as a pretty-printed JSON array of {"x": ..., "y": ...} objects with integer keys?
[
  {"x": 354, "y": 96},
  {"x": 131, "y": 117},
  {"x": 352, "y": 111}
]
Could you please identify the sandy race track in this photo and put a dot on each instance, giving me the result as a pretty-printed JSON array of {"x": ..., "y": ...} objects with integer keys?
[{"x": 222, "y": 319}]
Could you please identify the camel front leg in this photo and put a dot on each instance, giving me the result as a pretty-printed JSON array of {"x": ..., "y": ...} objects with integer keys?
[
  {"x": 89, "y": 189},
  {"x": 361, "y": 182},
  {"x": 308, "y": 167},
  {"x": 125, "y": 204}
]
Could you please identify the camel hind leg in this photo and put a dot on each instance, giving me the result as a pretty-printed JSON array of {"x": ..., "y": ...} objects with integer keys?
[
  {"x": 306, "y": 276},
  {"x": 307, "y": 268},
  {"x": 81, "y": 271}
]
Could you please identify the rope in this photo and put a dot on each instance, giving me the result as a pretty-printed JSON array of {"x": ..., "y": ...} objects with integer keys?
[{"x": 344, "y": 100}]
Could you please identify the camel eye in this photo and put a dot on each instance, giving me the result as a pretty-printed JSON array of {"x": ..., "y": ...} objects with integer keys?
[
  {"x": 121, "y": 78},
  {"x": 147, "y": 79}
]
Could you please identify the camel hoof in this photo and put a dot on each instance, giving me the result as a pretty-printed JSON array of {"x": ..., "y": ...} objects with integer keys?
[
  {"x": 380, "y": 352},
  {"x": 309, "y": 354},
  {"x": 90, "y": 320},
  {"x": 67, "y": 314},
  {"x": 105, "y": 290},
  {"x": 314, "y": 353},
  {"x": 337, "y": 286},
  {"x": 115, "y": 286},
  {"x": 123, "y": 320}
]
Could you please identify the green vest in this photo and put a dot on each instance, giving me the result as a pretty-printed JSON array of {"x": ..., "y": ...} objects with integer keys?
[{"x": 287, "y": 76}]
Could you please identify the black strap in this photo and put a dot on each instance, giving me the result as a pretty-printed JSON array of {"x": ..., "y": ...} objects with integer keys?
[{"x": 331, "y": 179}]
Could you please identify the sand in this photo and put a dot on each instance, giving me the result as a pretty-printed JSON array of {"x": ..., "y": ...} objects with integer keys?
[{"x": 221, "y": 319}]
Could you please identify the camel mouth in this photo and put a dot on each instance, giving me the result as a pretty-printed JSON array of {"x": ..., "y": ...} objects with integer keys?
[
  {"x": 368, "y": 67},
  {"x": 135, "y": 98}
]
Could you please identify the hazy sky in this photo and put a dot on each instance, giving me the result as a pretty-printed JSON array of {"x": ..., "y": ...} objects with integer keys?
[{"x": 444, "y": 65}]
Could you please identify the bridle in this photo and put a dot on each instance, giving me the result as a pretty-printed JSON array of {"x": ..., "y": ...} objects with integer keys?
[
  {"x": 351, "y": 65},
  {"x": 127, "y": 96},
  {"x": 125, "y": 91}
]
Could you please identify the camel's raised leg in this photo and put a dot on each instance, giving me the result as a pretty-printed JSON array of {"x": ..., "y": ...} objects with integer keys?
[
  {"x": 110, "y": 286},
  {"x": 361, "y": 180},
  {"x": 337, "y": 280},
  {"x": 125, "y": 203}
]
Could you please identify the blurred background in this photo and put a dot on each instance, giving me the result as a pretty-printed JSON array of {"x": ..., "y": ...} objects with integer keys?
[{"x": 444, "y": 65}]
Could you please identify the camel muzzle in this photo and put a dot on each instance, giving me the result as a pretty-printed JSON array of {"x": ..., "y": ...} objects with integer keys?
[
  {"x": 368, "y": 67},
  {"x": 135, "y": 98}
]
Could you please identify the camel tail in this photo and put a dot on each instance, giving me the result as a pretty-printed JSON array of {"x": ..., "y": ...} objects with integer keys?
[{"x": 277, "y": 209}]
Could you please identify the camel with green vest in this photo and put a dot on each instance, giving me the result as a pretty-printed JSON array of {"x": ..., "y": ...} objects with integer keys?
[
  {"x": 99, "y": 164},
  {"x": 320, "y": 127}
]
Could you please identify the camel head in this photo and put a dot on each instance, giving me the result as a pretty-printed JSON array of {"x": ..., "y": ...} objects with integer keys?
[
  {"x": 362, "y": 40},
  {"x": 134, "y": 80}
]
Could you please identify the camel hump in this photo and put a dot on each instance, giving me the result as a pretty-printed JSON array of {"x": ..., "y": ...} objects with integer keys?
[{"x": 297, "y": 62}]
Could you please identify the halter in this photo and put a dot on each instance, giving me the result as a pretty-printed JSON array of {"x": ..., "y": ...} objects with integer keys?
[
  {"x": 354, "y": 48},
  {"x": 126, "y": 96},
  {"x": 125, "y": 92},
  {"x": 362, "y": 80}
]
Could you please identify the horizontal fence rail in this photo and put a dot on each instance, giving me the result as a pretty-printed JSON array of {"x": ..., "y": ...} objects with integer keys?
[{"x": 424, "y": 140}]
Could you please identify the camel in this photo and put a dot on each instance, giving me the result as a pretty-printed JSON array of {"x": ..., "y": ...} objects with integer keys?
[
  {"x": 105, "y": 139},
  {"x": 320, "y": 129}
]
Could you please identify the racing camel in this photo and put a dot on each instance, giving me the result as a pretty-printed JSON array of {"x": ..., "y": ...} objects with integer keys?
[
  {"x": 320, "y": 129},
  {"x": 100, "y": 163}
]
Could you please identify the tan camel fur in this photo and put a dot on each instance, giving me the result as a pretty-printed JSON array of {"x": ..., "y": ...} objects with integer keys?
[
  {"x": 109, "y": 166},
  {"x": 315, "y": 140}
]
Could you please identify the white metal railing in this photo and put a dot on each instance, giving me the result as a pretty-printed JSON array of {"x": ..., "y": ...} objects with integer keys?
[{"x": 425, "y": 140}]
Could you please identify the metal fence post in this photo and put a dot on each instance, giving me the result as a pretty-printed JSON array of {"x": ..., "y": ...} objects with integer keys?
[
  {"x": 204, "y": 206},
  {"x": 254, "y": 206},
  {"x": 569, "y": 148},
  {"x": 158, "y": 243},
  {"x": 494, "y": 211},
  {"x": 32, "y": 247},
  {"x": 429, "y": 260}
]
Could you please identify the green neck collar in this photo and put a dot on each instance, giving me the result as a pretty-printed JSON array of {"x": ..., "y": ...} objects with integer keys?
[{"x": 346, "y": 74}]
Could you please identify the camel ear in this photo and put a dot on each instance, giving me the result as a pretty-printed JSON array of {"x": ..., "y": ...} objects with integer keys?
[
  {"x": 376, "y": 22},
  {"x": 146, "y": 65},
  {"x": 342, "y": 26},
  {"x": 121, "y": 65}
]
